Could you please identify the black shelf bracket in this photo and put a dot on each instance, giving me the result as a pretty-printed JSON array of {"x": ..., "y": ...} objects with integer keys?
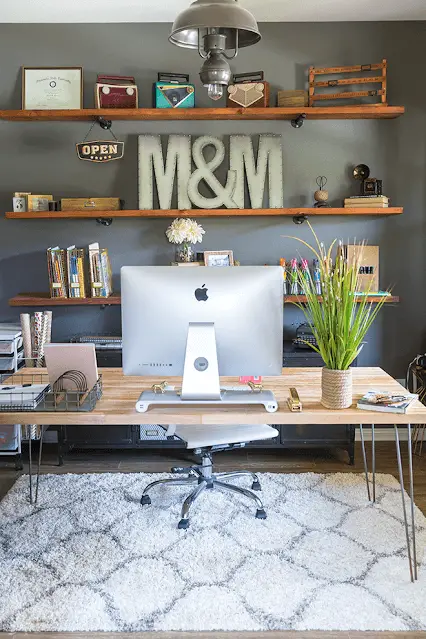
[
  {"x": 103, "y": 123},
  {"x": 105, "y": 221},
  {"x": 297, "y": 123},
  {"x": 299, "y": 219}
]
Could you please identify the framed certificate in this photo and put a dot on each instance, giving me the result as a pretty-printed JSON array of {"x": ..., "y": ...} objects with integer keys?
[{"x": 52, "y": 87}]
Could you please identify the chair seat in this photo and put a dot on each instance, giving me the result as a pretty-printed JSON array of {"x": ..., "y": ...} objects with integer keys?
[{"x": 197, "y": 436}]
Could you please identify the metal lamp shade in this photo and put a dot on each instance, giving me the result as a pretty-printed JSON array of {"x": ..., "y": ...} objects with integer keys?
[{"x": 227, "y": 16}]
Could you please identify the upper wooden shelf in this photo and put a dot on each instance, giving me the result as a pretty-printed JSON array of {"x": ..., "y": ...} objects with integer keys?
[
  {"x": 366, "y": 112},
  {"x": 58, "y": 215},
  {"x": 44, "y": 299}
]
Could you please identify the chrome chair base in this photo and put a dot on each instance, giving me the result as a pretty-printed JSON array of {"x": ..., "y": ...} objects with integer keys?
[{"x": 204, "y": 478}]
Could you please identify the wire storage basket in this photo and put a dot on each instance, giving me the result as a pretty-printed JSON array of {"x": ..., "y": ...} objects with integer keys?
[{"x": 32, "y": 392}]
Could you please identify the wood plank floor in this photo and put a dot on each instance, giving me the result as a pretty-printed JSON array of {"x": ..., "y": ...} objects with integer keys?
[{"x": 259, "y": 460}]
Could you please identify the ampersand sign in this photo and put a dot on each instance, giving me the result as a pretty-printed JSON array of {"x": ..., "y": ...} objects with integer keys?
[{"x": 205, "y": 171}]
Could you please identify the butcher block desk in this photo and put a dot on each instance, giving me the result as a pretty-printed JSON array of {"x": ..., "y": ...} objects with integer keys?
[{"x": 120, "y": 393}]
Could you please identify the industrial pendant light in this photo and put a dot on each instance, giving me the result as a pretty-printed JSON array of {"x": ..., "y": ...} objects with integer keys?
[{"x": 214, "y": 27}]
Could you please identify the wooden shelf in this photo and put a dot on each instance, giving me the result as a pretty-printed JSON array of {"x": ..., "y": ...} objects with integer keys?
[
  {"x": 390, "y": 299},
  {"x": 366, "y": 112},
  {"x": 58, "y": 215},
  {"x": 43, "y": 299}
]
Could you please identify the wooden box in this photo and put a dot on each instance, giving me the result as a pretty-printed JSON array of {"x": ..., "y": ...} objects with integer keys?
[
  {"x": 292, "y": 99},
  {"x": 91, "y": 204},
  {"x": 368, "y": 256}
]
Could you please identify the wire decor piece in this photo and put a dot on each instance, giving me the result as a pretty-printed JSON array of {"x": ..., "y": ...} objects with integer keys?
[
  {"x": 76, "y": 378},
  {"x": 68, "y": 394}
]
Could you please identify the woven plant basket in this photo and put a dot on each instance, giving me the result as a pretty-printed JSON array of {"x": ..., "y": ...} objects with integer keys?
[{"x": 336, "y": 388}]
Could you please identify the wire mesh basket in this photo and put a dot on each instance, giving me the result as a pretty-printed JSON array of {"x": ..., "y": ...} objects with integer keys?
[{"x": 32, "y": 392}]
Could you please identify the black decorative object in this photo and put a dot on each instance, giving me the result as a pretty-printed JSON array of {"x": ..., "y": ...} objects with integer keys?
[{"x": 369, "y": 186}]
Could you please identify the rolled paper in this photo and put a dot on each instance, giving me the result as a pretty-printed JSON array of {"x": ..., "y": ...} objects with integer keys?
[
  {"x": 38, "y": 329},
  {"x": 48, "y": 316},
  {"x": 43, "y": 341},
  {"x": 26, "y": 338}
]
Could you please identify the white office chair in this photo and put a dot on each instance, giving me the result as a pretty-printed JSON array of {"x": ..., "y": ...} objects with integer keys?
[{"x": 206, "y": 440}]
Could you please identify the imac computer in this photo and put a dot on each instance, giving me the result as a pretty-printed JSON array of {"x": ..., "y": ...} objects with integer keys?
[{"x": 202, "y": 322}]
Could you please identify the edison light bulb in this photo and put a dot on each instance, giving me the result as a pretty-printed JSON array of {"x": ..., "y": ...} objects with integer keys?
[{"x": 215, "y": 91}]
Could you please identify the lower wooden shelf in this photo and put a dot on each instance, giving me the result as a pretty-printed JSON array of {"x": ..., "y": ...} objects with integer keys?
[
  {"x": 43, "y": 299},
  {"x": 159, "y": 213}
]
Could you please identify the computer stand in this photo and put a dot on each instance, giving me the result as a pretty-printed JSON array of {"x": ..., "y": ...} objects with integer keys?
[{"x": 200, "y": 382}]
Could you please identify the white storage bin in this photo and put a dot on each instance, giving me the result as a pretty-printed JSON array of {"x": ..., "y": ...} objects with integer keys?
[{"x": 7, "y": 364}]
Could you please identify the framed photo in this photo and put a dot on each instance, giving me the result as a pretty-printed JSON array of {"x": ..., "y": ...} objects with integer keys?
[
  {"x": 52, "y": 88},
  {"x": 218, "y": 258}
]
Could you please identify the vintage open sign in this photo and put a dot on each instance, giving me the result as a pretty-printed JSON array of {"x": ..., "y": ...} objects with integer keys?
[{"x": 100, "y": 150}]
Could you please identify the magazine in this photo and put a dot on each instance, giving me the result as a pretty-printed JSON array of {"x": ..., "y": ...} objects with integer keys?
[{"x": 386, "y": 402}]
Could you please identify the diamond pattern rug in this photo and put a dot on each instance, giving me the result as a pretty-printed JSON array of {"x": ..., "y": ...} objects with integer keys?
[{"x": 89, "y": 557}]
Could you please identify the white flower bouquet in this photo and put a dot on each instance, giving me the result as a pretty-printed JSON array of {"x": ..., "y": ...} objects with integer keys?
[{"x": 185, "y": 232}]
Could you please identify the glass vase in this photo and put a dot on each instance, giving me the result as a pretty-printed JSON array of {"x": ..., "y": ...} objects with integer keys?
[{"x": 185, "y": 253}]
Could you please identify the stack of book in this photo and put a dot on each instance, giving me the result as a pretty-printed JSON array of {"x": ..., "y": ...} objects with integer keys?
[
  {"x": 56, "y": 264},
  {"x": 366, "y": 202},
  {"x": 67, "y": 276},
  {"x": 100, "y": 271},
  {"x": 75, "y": 263}
]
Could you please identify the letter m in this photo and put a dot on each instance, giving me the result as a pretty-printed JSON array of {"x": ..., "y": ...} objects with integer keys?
[
  {"x": 151, "y": 163},
  {"x": 269, "y": 162}
]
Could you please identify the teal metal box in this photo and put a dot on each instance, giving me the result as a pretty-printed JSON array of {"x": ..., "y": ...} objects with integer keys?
[{"x": 174, "y": 91}]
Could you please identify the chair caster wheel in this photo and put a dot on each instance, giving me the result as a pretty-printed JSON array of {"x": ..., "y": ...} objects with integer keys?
[
  {"x": 260, "y": 514},
  {"x": 256, "y": 486},
  {"x": 146, "y": 500},
  {"x": 183, "y": 524}
]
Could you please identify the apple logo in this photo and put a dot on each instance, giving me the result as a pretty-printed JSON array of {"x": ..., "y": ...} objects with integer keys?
[{"x": 201, "y": 294}]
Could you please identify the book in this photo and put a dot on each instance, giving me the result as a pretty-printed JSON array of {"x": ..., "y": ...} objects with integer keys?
[
  {"x": 187, "y": 264},
  {"x": 366, "y": 205},
  {"x": 366, "y": 198},
  {"x": 386, "y": 402}
]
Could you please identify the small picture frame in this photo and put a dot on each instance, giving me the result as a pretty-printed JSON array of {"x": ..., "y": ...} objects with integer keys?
[
  {"x": 52, "y": 88},
  {"x": 38, "y": 203},
  {"x": 218, "y": 258}
]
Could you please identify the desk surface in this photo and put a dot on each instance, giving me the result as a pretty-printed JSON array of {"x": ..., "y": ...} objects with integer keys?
[{"x": 120, "y": 394}]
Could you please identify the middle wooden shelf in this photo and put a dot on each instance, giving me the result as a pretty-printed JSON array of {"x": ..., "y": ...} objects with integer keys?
[
  {"x": 43, "y": 299},
  {"x": 160, "y": 213}
]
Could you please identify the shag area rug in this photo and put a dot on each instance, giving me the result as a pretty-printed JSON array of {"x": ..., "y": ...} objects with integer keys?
[{"x": 89, "y": 557}]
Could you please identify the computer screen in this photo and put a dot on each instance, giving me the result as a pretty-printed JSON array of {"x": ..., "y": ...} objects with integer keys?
[{"x": 244, "y": 303}]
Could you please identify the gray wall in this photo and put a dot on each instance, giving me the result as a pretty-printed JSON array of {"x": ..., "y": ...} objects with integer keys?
[{"x": 40, "y": 157}]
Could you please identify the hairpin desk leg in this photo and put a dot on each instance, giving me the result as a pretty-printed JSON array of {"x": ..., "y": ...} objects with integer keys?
[
  {"x": 40, "y": 452},
  {"x": 413, "y": 525},
  {"x": 404, "y": 510},
  {"x": 364, "y": 459},
  {"x": 373, "y": 461}
]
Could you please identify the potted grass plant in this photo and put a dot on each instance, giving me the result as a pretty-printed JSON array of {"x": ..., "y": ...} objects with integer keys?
[{"x": 339, "y": 319}]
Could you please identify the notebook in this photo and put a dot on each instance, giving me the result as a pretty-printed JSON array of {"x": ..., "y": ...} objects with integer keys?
[
  {"x": 22, "y": 397},
  {"x": 61, "y": 358}
]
